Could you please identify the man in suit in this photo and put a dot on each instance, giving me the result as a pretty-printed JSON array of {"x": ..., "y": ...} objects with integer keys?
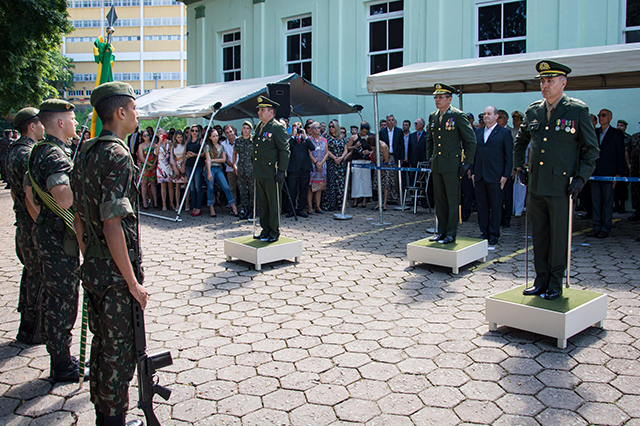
[
  {"x": 491, "y": 170},
  {"x": 393, "y": 136},
  {"x": 610, "y": 163},
  {"x": 507, "y": 192},
  {"x": 448, "y": 126},
  {"x": 417, "y": 143},
  {"x": 133, "y": 141},
  {"x": 621, "y": 192},
  {"x": 468, "y": 196},
  {"x": 299, "y": 171},
  {"x": 563, "y": 146},
  {"x": 270, "y": 160}
]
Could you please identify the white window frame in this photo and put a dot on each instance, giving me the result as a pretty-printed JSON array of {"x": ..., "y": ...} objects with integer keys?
[
  {"x": 626, "y": 29},
  {"x": 230, "y": 45},
  {"x": 501, "y": 40},
  {"x": 384, "y": 17},
  {"x": 295, "y": 31}
]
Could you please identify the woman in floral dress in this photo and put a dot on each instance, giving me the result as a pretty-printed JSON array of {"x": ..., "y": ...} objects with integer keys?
[
  {"x": 338, "y": 156},
  {"x": 164, "y": 171},
  {"x": 318, "y": 182}
]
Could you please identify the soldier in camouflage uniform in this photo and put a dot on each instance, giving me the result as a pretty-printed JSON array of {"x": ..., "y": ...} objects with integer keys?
[
  {"x": 242, "y": 150},
  {"x": 633, "y": 153},
  {"x": 5, "y": 141},
  {"x": 105, "y": 197},
  {"x": 32, "y": 130},
  {"x": 49, "y": 168}
]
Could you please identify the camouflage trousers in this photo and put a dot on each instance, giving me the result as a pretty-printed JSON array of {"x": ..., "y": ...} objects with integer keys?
[
  {"x": 245, "y": 184},
  {"x": 113, "y": 356},
  {"x": 31, "y": 280},
  {"x": 59, "y": 303}
]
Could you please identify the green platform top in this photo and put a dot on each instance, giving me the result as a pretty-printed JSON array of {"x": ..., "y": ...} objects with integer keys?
[
  {"x": 252, "y": 242},
  {"x": 571, "y": 298},
  {"x": 461, "y": 243}
]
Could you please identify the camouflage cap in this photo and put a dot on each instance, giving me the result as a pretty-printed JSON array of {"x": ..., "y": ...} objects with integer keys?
[
  {"x": 56, "y": 105},
  {"x": 444, "y": 89},
  {"x": 23, "y": 115},
  {"x": 112, "y": 88},
  {"x": 264, "y": 102},
  {"x": 551, "y": 69}
]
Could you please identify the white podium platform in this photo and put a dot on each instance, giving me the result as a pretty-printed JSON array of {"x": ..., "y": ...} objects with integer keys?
[
  {"x": 574, "y": 311},
  {"x": 258, "y": 252},
  {"x": 464, "y": 251}
]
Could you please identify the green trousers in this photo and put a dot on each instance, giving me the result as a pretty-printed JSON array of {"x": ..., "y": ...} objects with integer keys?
[
  {"x": 446, "y": 191},
  {"x": 267, "y": 203}
]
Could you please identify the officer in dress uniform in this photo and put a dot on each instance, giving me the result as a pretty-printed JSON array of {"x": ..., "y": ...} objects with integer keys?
[
  {"x": 448, "y": 127},
  {"x": 105, "y": 197},
  {"x": 31, "y": 130},
  {"x": 563, "y": 146},
  {"x": 50, "y": 194},
  {"x": 270, "y": 160}
]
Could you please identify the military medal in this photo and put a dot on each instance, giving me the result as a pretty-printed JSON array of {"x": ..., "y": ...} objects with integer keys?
[{"x": 573, "y": 130}]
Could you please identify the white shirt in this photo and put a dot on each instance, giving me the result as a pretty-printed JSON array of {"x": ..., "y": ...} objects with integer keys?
[
  {"x": 390, "y": 133},
  {"x": 487, "y": 132},
  {"x": 228, "y": 150}
]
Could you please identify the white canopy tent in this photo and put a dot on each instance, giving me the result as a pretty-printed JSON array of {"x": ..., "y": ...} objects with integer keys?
[
  {"x": 234, "y": 100},
  {"x": 602, "y": 67},
  {"x": 593, "y": 68}
]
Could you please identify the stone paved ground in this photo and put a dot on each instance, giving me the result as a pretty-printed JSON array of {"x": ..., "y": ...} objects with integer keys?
[{"x": 351, "y": 334}]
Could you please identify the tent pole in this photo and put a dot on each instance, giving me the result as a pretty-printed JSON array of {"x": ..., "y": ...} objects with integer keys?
[
  {"x": 186, "y": 190},
  {"x": 460, "y": 98},
  {"x": 378, "y": 171},
  {"x": 149, "y": 152}
]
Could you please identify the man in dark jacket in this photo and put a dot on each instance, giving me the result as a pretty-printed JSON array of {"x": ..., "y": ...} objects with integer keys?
[
  {"x": 610, "y": 163},
  {"x": 299, "y": 171}
]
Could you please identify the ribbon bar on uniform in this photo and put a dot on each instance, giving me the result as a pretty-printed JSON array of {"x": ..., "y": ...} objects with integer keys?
[{"x": 614, "y": 179}]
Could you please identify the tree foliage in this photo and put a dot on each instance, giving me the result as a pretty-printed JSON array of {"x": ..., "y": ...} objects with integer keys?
[{"x": 31, "y": 66}]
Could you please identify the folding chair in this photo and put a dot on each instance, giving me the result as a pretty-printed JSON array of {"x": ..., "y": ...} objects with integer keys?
[{"x": 419, "y": 187}]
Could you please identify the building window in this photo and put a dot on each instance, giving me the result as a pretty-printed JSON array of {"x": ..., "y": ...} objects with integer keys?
[
  {"x": 386, "y": 36},
  {"x": 632, "y": 22},
  {"x": 502, "y": 28},
  {"x": 298, "y": 34},
  {"x": 231, "y": 56},
  {"x": 75, "y": 93}
]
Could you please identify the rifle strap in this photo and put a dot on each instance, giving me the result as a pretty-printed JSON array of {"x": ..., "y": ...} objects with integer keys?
[{"x": 66, "y": 215}]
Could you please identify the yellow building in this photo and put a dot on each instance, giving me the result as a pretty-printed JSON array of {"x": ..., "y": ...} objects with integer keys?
[{"x": 149, "y": 44}]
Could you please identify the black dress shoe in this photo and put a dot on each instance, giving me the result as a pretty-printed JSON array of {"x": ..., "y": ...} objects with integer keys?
[
  {"x": 551, "y": 294},
  {"x": 260, "y": 237},
  {"x": 483, "y": 237},
  {"x": 449, "y": 239},
  {"x": 592, "y": 233},
  {"x": 437, "y": 237},
  {"x": 272, "y": 239},
  {"x": 634, "y": 217},
  {"x": 533, "y": 291},
  {"x": 493, "y": 241},
  {"x": 290, "y": 214},
  {"x": 302, "y": 213}
]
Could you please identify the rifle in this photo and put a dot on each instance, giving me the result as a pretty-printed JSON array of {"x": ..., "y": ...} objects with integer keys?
[{"x": 147, "y": 365}]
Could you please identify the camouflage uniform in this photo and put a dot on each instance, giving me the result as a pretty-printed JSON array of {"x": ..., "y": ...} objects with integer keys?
[
  {"x": 50, "y": 165},
  {"x": 17, "y": 158},
  {"x": 245, "y": 172},
  {"x": 107, "y": 191},
  {"x": 634, "y": 170},
  {"x": 4, "y": 149}
]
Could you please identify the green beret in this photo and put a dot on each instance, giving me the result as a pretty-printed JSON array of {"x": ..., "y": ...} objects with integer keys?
[
  {"x": 623, "y": 122},
  {"x": 551, "y": 69},
  {"x": 248, "y": 123},
  {"x": 23, "y": 115},
  {"x": 264, "y": 102},
  {"x": 112, "y": 88},
  {"x": 56, "y": 105},
  {"x": 444, "y": 89}
]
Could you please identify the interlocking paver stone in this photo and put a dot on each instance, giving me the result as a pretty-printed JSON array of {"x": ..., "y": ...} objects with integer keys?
[
  {"x": 441, "y": 396},
  {"x": 602, "y": 414}
]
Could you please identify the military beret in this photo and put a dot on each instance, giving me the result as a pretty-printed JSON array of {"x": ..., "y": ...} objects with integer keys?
[
  {"x": 112, "y": 88},
  {"x": 248, "y": 123},
  {"x": 551, "y": 69},
  {"x": 623, "y": 122},
  {"x": 23, "y": 115},
  {"x": 264, "y": 102},
  {"x": 517, "y": 114},
  {"x": 56, "y": 105},
  {"x": 444, "y": 89},
  {"x": 469, "y": 115}
]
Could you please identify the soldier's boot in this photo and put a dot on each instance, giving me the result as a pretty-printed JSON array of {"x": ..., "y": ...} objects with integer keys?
[
  {"x": 99, "y": 417},
  {"x": 119, "y": 420},
  {"x": 65, "y": 368},
  {"x": 28, "y": 332}
]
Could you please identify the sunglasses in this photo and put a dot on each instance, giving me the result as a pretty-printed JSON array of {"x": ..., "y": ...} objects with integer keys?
[
  {"x": 194, "y": 131},
  {"x": 603, "y": 115},
  {"x": 145, "y": 134}
]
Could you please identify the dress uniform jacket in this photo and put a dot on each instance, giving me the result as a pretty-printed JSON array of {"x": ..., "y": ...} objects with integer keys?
[{"x": 562, "y": 147}]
